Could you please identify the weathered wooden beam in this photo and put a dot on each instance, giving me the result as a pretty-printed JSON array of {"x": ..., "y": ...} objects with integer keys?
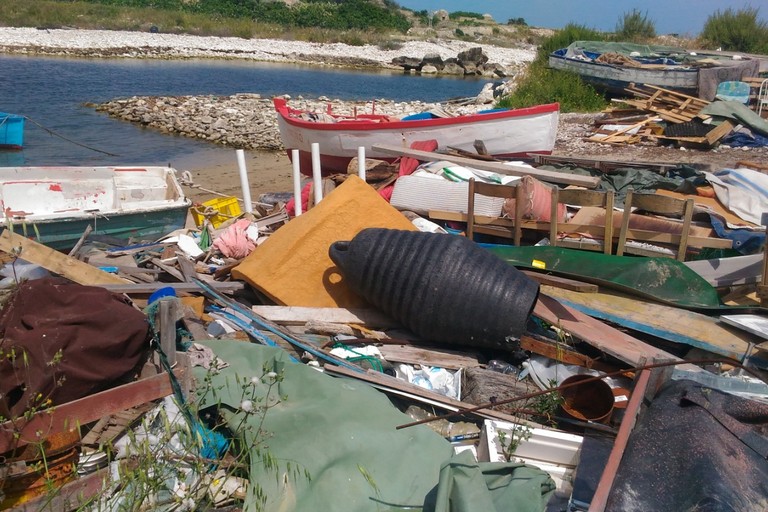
[
  {"x": 71, "y": 415},
  {"x": 129, "y": 288},
  {"x": 509, "y": 170},
  {"x": 54, "y": 261}
]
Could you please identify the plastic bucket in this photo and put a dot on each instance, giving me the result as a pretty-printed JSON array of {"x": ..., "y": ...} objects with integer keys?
[
  {"x": 444, "y": 288},
  {"x": 590, "y": 401}
]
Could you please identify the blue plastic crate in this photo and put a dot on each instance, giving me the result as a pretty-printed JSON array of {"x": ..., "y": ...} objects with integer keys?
[{"x": 11, "y": 130}]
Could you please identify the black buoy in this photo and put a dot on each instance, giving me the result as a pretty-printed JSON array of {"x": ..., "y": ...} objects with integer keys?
[{"x": 442, "y": 287}]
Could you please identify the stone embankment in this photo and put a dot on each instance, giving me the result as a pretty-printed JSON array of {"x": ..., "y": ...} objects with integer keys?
[{"x": 248, "y": 121}]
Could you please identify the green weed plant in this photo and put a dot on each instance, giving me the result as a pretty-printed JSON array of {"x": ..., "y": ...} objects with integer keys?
[{"x": 736, "y": 30}]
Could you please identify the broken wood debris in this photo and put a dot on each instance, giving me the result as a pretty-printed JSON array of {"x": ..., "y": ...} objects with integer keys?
[{"x": 659, "y": 116}]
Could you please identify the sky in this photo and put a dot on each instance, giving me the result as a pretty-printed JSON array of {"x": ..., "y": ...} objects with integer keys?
[{"x": 683, "y": 17}]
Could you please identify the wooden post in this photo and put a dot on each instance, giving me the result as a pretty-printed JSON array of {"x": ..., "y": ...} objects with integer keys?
[{"x": 168, "y": 310}]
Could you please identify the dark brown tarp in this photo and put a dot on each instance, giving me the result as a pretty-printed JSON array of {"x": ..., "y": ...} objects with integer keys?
[{"x": 62, "y": 341}]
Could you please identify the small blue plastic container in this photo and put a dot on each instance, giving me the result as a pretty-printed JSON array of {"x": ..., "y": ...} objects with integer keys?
[{"x": 11, "y": 131}]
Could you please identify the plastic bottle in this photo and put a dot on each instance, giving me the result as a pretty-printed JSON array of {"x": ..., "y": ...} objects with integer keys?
[{"x": 500, "y": 366}]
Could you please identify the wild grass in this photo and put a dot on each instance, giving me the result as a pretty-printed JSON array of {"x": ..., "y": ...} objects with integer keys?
[
  {"x": 541, "y": 85},
  {"x": 634, "y": 26},
  {"x": 736, "y": 30},
  {"x": 568, "y": 34},
  {"x": 50, "y": 15}
]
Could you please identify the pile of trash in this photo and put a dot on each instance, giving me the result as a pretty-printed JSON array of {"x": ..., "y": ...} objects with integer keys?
[{"x": 264, "y": 360}]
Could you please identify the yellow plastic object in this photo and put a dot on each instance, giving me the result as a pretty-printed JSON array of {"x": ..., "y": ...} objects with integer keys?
[
  {"x": 217, "y": 210},
  {"x": 293, "y": 268}
]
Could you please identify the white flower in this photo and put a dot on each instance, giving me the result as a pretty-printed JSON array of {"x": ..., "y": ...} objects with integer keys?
[
  {"x": 270, "y": 376},
  {"x": 255, "y": 380},
  {"x": 246, "y": 406}
]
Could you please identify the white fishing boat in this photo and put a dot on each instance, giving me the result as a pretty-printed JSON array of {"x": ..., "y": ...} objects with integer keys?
[{"x": 505, "y": 133}]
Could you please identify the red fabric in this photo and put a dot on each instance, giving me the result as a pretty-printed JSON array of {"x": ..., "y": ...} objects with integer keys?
[
  {"x": 409, "y": 164},
  {"x": 290, "y": 206},
  {"x": 537, "y": 202}
]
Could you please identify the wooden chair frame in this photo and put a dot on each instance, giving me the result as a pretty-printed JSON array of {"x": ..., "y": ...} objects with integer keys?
[
  {"x": 582, "y": 197},
  {"x": 658, "y": 204},
  {"x": 500, "y": 191}
]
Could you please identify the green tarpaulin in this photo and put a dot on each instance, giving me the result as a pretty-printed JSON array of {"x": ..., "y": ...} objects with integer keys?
[
  {"x": 343, "y": 433},
  {"x": 661, "y": 279}
]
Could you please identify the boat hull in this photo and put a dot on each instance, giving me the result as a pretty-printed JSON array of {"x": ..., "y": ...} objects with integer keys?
[
  {"x": 55, "y": 205},
  {"x": 615, "y": 79},
  {"x": 505, "y": 133}
]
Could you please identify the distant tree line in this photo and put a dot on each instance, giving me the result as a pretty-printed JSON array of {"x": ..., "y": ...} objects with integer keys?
[{"x": 327, "y": 14}]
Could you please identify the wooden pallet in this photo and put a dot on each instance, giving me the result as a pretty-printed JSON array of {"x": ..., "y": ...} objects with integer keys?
[{"x": 671, "y": 106}]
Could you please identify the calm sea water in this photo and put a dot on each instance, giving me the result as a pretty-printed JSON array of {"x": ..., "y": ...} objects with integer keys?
[{"x": 61, "y": 130}]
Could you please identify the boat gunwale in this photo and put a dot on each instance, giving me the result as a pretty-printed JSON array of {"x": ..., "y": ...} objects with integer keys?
[{"x": 368, "y": 123}]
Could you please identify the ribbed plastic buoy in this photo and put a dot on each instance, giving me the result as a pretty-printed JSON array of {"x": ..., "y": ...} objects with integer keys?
[{"x": 444, "y": 288}]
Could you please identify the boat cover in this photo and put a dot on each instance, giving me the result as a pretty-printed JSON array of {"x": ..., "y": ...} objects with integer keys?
[
  {"x": 343, "y": 433},
  {"x": 662, "y": 279},
  {"x": 695, "y": 449}
]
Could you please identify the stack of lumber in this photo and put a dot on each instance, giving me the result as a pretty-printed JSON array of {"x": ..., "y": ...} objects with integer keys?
[{"x": 650, "y": 111}]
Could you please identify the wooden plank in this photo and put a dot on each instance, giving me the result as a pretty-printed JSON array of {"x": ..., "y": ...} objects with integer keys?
[
  {"x": 561, "y": 282},
  {"x": 429, "y": 356},
  {"x": 139, "y": 288},
  {"x": 296, "y": 315},
  {"x": 603, "y": 490},
  {"x": 666, "y": 322},
  {"x": 167, "y": 269},
  {"x": 64, "y": 417},
  {"x": 484, "y": 220},
  {"x": 598, "y": 334},
  {"x": 54, "y": 261},
  {"x": 509, "y": 170},
  {"x": 719, "y": 132},
  {"x": 557, "y": 353}
]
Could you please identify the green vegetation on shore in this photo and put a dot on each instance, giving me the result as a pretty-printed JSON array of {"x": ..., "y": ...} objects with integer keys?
[
  {"x": 352, "y": 21},
  {"x": 540, "y": 84}
]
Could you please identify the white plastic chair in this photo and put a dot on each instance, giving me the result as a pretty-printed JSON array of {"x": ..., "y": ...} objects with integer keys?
[{"x": 762, "y": 97}]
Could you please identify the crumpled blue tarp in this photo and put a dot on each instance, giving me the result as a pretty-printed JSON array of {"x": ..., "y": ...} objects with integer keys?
[{"x": 745, "y": 139}]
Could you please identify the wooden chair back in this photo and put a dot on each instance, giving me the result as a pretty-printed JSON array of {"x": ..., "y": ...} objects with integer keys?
[
  {"x": 661, "y": 205},
  {"x": 493, "y": 190},
  {"x": 582, "y": 197}
]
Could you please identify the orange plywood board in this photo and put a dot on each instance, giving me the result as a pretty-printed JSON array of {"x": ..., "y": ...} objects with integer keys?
[{"x": 293, "y": 267}]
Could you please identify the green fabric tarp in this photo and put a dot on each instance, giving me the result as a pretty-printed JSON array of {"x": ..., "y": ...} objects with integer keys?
[
  {"x": 738, "y": 112},
  {"x": 682, "y": 178},
  {"x": 343, "y": 433},
  {"x": 661, "y": 279}
]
